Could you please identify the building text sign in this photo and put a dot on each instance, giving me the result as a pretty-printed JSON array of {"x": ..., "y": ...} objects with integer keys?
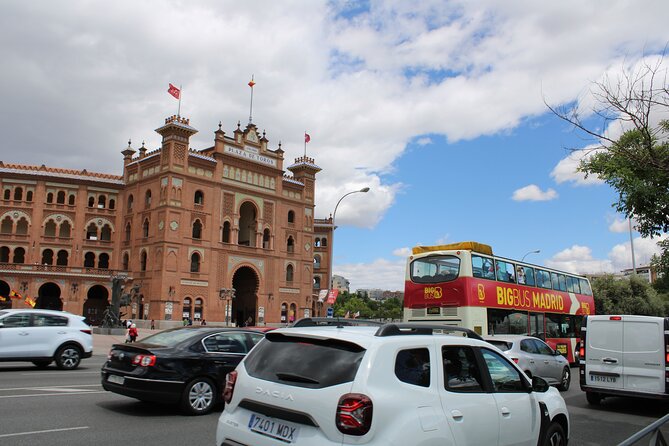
[{"x": 251, "y": 154}]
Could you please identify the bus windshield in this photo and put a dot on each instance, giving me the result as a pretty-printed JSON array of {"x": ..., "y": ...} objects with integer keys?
[{"x": 433, "y": 269}]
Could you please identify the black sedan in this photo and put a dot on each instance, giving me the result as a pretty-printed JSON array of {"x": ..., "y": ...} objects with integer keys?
[{"x": 185, "y": 366}]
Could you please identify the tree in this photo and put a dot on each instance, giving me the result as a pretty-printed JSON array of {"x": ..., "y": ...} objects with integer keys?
[
  {"x": 635, "y": 164},
  {"x": 629, "y": 295}
]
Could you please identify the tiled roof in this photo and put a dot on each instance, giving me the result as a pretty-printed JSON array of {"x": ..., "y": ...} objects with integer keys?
[
  {"x": 202, "y": 157},
  {"x": 146, "y": 157},
  {"x": 290, "y": 180},
  {"x": 54, "y": 172}
]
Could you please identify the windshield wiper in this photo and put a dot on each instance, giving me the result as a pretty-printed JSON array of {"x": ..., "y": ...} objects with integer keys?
[{"x": 296, "y": 378}]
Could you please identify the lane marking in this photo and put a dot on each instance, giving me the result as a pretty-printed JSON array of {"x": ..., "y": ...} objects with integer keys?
[
  {"x": 49, "y": 387},
  {"x": 53, "y": 394},
  {"x": 59, "y": 373},
  {"x": 44, "y": 432}
]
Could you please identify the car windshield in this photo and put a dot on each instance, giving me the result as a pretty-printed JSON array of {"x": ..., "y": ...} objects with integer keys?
[
  {"x": 2, "y": 313},
  {"x": 170, "y": 338}
]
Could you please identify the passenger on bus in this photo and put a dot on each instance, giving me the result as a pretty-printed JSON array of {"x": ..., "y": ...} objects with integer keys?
[{"x": 521, "y": 275}]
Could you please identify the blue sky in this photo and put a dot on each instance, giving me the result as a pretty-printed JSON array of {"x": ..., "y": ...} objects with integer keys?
[{"x": 437, "y": 106}]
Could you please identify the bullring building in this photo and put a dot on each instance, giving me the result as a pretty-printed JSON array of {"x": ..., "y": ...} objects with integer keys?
[{"x": 203, "y": 234}]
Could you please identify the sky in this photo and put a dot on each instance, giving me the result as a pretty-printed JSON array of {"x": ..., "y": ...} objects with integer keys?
[{"x": 439, "y": 107}]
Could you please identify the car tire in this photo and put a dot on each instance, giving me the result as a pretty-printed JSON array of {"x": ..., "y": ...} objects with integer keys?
[
  {"x": 594, "y": 398},
  {"x": 555, "y": 436},
  {"x": 68, "y": 357},
  {"x": 41, "y": 364},
  {"x": 199, "y": 397},
  {"x": 565, "y": 380}
]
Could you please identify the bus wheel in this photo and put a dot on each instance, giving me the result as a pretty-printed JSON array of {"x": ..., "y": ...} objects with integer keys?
[{"x": 593, "y": 398}]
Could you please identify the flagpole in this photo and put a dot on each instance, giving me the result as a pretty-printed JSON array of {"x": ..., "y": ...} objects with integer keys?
[
  {"x": 251, "y": 84},
  {"x": 181, "y": 92},
  {"x": 305, "y": 143}
]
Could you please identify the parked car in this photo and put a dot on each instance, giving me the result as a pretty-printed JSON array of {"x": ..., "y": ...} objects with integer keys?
[
  {"x": 185, "y": 366},
  {"x": 624, "y": 355},
  {"x": 535, "y": 357},
  {"x": 44, "y": 336},
  {"x": 397, "y": 384}
]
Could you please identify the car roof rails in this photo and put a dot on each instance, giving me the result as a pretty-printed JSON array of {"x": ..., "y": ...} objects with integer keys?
[
  {"x": 332, "y": 321},
  {"x": 423, "y": 328}
]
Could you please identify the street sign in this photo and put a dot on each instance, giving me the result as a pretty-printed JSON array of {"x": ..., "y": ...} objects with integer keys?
[{"x": 330, "y": 312}]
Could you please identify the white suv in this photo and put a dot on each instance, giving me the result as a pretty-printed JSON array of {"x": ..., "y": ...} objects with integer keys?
[
  {"x": 396, "y": 384},
  {"x": 43, "y": 336}
]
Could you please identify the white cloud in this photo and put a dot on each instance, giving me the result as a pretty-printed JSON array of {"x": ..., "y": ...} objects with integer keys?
[
  {"x": 424, "y": 141},
  {"x": 567, "y": 169},
  {"x": 621, "y": 225},
  {"x": 534, "y": 193},
  {"x": 381, "y": 273},
  {"x": 402, "y": 252}
]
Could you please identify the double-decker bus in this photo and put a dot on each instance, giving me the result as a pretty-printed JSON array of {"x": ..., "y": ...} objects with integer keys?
[{"x": 464, "y": 284}]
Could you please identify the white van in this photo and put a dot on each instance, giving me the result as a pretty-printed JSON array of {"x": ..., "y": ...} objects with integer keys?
[{"x": 624, "y": 356}]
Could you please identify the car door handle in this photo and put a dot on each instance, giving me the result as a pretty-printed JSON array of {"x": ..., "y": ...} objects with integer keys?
[
  {"x": 457, "y": 415},
  {"x": 62, "y": 332},
  {"x": 23, "y": 333},
  {"x": 505, "y": 411},
  {"x": 610, "y": 360},
  {"x": 531, "y": 361},
  {"x": 545, "y": 361}
]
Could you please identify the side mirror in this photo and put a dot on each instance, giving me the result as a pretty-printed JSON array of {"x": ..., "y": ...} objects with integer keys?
[{"x": 539, "y": 384}]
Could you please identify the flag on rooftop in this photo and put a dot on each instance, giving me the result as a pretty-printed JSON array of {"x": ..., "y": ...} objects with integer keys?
[
  {"x": 307, "y": 138},
  {"x": 251, "y": 83},
  {"x": 174, "y": 91}
]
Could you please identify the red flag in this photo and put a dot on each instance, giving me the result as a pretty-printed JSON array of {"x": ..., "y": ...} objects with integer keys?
[
  {"x": 174, "y": 91},
  {"x": 307, "y": 138},
  {"x": 251, "y": 83}
]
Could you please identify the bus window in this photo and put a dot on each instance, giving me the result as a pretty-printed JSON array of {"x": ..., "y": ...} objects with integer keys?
[
  {"x": 563, "y": 282},
  {"x": 585, "y": 287},
  {"x": 434, "y": 269},
  {"x": 543, "y": 279},
  {"x": 505, "y": 271},
  {"x": 570, "y": 284},
  {"x": 506, "y": 322},
  {"x": 577, "y": 287},
  {"x": 482, "y": 267},
  {"x": 554, "y": 281},
  {"x": 525, "y": 275}
]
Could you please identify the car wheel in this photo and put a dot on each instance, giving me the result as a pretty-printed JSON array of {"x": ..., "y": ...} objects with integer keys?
[
  {"x": 593, "y": 398},
  {"x": 566, "y": 380},
  {"x": 199, "y": 397},
  {"x": 42, "y": 364},
  {"x": 68, "y": 357},
  {"x": 555, "y": 436}
]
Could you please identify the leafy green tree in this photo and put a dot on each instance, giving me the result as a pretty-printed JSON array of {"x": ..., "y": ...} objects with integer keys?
[{"x": 629, "y": 295}]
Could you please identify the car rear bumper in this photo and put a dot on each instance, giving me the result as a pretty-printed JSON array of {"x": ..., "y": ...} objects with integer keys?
[
  {"x": 623, "y": 392},
  {"x": 145, "y": 389}
]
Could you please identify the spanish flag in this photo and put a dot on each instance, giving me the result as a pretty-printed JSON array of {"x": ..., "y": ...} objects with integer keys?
[
  {"x": 4, "y": 299},
  {"x": 14, "y": 295},
  {"x": 29, "y": 301}
]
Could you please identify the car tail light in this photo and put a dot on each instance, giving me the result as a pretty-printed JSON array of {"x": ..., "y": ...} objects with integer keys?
[
  {"x": 144, "y": 360},
  {"x": 615, "y": 318},
  {"x": 230, "y": 381},
  {"x": 515, "y": 360},
  {"x": 88, "y": 332},
  {"x": 354, "y": 414}
]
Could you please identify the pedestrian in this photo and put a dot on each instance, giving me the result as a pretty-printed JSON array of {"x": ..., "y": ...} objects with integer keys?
[
  {"x": 153, "y": 324},
  {"x": 190, "y": 321},
  {"x": 185, "y": 321},
  {"x": 128, "y": 323},
  {"x": 203, "y": 322},
  {"x": 132, "y": 331}
]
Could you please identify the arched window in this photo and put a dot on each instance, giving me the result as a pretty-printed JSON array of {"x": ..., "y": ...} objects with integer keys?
[
  {"x": 145, "y": 228},
  {"x": 187, "y": 309},
  {"x": 317, "y": 283},
  {"x": 47, "y": 257},
  {"x": 29, "y": 195},
  {"x": 265, "y": 238},
  {"x": 197, "y": 229},
  {"x": 60, "y": 197},
  {"x": 18, "y": 193},
  {"x": 102, "y": 201},
  {"x": 19, "y": 255},
  {"x": 290, "y": 245},
  {"x": 89, "y": 260},
  {"x": 198, "y": 313},
  {"x": 289, "y": 273},
  {"x": 92, "y": 232},
  {"x": 324, "y": 242},
  {"x": 195, "y": 263},
  {"x": 226, "y": 232},
  {"x": 142, "y": 261},
  {"x": 64, "y": 230},
  {"x": 147, "y": 199},
  {"x": 291, "y": 217},
  {"x": 50, "y": 228},
  {"x": 49, "y": 197},
  {"x": 70, "y": 200},
  {"x": 317, "y": 243},
  {"x": 199, "y": 197},
  {"x": 317, "y": 261},
  {"x": 7, "y": 225},
  {"x": 131, "y": 199},
  {"x": 4, "y": 254},
  {"x": 105, "y": 233},
  {"x": 112, "y": 203},
  {"x": 7, "y": 194},
  {"x": 61, "y": 260},
  {"x": 22, "y": 226},
  {"x": 103, "y": 261},
  {"x": 91, "y": 202},
  {"x": 127, "y": 231},
  {"x": 126, "y": 262}
]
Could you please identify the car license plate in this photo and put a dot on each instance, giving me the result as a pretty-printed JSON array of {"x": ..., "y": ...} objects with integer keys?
[
  {"x": 603, "y": 379},
  {"x": 115, "y": 379},
  {"x": 278, "y": 429}
]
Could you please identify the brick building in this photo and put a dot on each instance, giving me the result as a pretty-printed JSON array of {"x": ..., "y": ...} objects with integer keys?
[{"x": 198, "y": 233}]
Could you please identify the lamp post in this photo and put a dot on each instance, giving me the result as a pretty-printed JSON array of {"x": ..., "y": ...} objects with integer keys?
[
  {"x": 227, "y": 294},
  {"x": 334, "y": 214},
  {"x": 536, "y": 251}
]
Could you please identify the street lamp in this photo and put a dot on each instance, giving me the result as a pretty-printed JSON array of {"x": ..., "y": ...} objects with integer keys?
[
  {"x": 330, "y": 269},
  {"x": 227, "y": 294},
  {"x": 531, "y": 252}
]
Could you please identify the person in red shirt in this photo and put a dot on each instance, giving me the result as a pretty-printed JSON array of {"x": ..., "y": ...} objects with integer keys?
[{"x": 132, "y": 332}]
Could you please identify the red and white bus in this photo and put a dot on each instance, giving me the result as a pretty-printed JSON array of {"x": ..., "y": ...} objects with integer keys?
[{"x": 464, "y": 284}]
